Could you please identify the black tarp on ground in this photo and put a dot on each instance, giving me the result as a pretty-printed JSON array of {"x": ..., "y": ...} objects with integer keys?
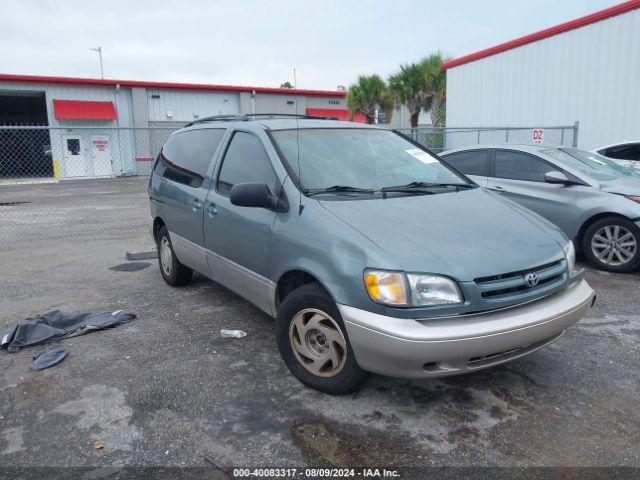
[
  {"x": 55, "y": 325},
  {"x": 48, "y": 358}
]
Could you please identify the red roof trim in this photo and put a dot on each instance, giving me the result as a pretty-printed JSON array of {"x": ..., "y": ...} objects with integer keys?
[
  {"x": 546, "y": 33},
  {"x": 4, "y": 77},
  {"x": 83, "y": 110}
]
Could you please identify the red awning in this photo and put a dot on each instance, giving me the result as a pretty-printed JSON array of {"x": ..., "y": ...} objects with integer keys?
[
  {"x": 339, "y": 113},
  {"x": 83, "y": 110}
]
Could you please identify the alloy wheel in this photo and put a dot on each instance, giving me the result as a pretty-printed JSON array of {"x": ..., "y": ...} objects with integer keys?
[
  {"x": 614, "y": 245},
  {"x": 317, "y": 342}
]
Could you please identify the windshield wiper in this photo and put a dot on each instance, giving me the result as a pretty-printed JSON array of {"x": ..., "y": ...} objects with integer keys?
[
  {"x": 337, "y": 189},
  {"x": 422, "y": 186}
]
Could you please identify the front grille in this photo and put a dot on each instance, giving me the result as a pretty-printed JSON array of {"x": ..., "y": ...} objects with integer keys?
[{"x": 513, "y": 285}]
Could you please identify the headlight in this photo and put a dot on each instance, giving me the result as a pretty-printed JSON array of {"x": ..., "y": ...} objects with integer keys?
[
  {"x": 428, "y": 290},
  {"x": 570, "y": 255},
  {"x": 423, "y": 290},
  {"x": 634, "y": 198}
]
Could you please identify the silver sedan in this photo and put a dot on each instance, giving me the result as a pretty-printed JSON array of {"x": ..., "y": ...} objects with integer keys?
[{"x": 595, "y": 201}]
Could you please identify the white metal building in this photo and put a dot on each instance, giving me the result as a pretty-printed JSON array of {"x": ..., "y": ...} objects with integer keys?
[
  {"x": 111, "y": 109},
  {"x": 585, "y": 70}
]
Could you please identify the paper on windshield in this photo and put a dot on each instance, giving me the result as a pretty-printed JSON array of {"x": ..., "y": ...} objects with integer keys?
[{"x": 421, "y": 155}]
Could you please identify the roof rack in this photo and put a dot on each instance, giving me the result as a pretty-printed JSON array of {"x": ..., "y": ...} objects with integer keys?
[
  {"x": 217, "y": 118},
  {"x": 249, "y": 116}
]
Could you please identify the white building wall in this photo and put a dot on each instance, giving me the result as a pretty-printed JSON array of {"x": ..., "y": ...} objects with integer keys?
[
  {"x": 590, "y": 74},
  {"x": 121, "y": 99},
  {"x": 189, "y": 105},
  {"x": 121, "y": 143}
]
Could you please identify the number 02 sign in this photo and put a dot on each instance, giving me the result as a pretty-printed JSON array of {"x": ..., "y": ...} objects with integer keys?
[{"x": 538, "y": 135}]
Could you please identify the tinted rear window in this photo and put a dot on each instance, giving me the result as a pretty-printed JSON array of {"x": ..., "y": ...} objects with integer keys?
[
  {"x": 187, "y": 155},
  {"x": 475, "y": 162},
  {"x": 624, "y": 152}
]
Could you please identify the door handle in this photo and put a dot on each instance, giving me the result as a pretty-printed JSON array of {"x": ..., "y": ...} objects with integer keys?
[
  {"x": 212, "y": 209},
  {"x": 196, "y": 205}
]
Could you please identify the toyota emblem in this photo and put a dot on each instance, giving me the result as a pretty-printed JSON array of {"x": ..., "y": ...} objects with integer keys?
[{"x": 531, "y": 279}]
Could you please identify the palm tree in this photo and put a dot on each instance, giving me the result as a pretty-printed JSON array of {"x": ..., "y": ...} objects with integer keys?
[
  {"x": 409, "y": 87},
  {"x": 364, "y": 96},
  {"x": 387, "y": 104},
  {"x": 436, "y": 87}
]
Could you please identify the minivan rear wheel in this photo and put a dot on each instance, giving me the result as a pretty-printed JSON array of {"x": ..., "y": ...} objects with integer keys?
[
  {"x": 612, "y": 244},
  {"x": 313, "y": 342},
  {"x": 173, "y": 272}
]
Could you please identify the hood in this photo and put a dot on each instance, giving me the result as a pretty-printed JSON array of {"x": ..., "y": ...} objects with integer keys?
[
  {"x": 622, "y": 186},
  {"x": 465, "y": 234}
]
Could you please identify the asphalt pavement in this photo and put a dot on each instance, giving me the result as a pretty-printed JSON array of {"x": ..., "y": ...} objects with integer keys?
[{"x": 167, "y": 390}]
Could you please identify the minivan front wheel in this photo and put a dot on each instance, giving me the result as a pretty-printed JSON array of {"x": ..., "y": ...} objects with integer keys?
[
  {"x": 613, "y": 244},
  {"x": 173, "y": 272},
  {"x": 313, "y": 342}
]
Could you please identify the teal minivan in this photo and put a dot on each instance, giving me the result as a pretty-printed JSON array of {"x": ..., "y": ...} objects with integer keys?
[{"x": 371, "y": 253}]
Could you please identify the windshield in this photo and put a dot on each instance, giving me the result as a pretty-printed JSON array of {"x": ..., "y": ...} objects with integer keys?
[
  {"x": 368, "y": 159},
  {"x": 593, "y": 165}
]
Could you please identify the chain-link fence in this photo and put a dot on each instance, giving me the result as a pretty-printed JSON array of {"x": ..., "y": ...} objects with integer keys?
[
  {"x": 77, "y": 183},
  {"x": 439, "y": 139},
  {"x": 91, "y": 183},
  {"x": 59, "y": 153}
]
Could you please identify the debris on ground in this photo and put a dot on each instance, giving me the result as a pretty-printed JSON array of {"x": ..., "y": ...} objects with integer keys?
[
  {"x": 130, "y": 267},
  {"x": 97, "y": 445},
  {"x": 142, "y": 255},
  {"x": 48, "y": 358},
  {"x": 224, "y": 333},
  {"x": 55, "y": 325}
]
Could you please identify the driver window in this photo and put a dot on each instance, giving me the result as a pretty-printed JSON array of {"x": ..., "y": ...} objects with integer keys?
[
  {"x": 520, "y": 166},
  {"x": 245, "y": 161}
]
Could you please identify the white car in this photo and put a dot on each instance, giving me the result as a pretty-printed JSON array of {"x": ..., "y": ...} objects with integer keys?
[{"x": 626, "y": 154}]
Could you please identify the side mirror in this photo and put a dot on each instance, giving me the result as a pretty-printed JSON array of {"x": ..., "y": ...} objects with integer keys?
[
  {"x": 255, "y": 195},
  {"x": 557, "y": 178}
]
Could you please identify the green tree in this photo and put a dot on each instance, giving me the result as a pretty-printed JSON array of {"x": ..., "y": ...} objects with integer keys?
[
  {"x": 365, "y": 95},
  {"x": 286, "y": 84},
  {"x": 409, "y": 87},
  {"x": 436, "y": 88},
  {"x": 387, "y": 104}
]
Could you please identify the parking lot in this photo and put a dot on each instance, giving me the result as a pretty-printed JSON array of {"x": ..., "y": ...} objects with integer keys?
[{"x": 167, "y": 390}]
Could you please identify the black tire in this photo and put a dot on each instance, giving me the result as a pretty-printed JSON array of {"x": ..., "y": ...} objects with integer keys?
[
  {"x": 312, "y": 296},
  {"x": 174, "y": 273},
  {"x": 596, "y": 229}
]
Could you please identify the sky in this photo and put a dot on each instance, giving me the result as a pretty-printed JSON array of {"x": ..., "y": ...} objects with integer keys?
[{"x": 258, "y": 43}]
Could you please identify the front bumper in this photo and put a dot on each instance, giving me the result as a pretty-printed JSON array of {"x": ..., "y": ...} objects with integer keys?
[{"x": 439, "y": 347}]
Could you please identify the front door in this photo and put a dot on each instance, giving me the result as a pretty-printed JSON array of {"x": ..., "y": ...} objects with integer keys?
[
  {"x": 521, "y": 178},
  {"x": 238, "y": 239},
  {"x": 74, "y": 156}
]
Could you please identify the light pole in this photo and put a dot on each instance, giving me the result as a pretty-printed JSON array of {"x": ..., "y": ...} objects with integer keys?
[{"x": 99, "y": 50}]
